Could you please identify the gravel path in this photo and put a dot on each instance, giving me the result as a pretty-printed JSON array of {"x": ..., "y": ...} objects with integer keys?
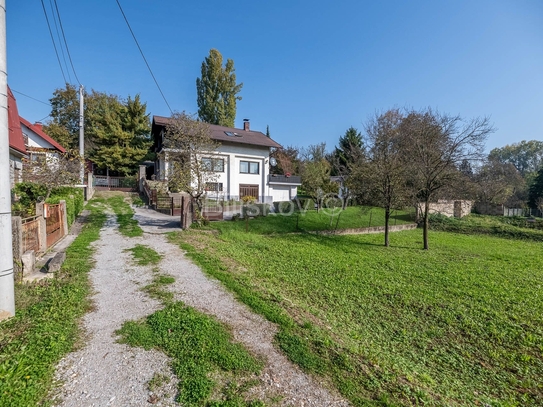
[{"x": 104, "y": 373}]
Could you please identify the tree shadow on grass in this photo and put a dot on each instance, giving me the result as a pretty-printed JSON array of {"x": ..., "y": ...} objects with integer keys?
[{"x": 346, "y": 242}]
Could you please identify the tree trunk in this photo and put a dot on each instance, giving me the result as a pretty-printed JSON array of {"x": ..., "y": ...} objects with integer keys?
[
  {"x": 387, "y": 217},
  {"x": 425, "y": 226}
]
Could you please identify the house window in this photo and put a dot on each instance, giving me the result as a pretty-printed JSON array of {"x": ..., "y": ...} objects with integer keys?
[
  {"x": 213, "y": 164},
  {"x": 248, "y": 167},
  {"x": 214, "y": 186}
]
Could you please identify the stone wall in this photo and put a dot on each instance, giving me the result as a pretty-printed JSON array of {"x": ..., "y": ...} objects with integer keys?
[
  {"x": 452, "y": 208},
  {"x": 367, "y": 231}
]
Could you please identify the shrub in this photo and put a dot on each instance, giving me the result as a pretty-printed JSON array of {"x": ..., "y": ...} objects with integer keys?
[
  {"x": 26, "y": 196},
  {"x": 74, "y": 201}
]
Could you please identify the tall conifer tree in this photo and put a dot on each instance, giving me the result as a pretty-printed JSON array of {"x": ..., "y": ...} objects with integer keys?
[{"x": 217, "y": 91}]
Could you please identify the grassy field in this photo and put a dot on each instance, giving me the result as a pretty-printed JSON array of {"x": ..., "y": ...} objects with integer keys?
[
  {"x": 351, "y": 217},
  {"x": 459, "y": 325}
]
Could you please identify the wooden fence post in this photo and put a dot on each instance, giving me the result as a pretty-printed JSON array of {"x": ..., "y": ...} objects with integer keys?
[
  {"x": 17, "y": 237},
  {"x": 42, "y": 226},
  {"x": 64, "y": 215}
]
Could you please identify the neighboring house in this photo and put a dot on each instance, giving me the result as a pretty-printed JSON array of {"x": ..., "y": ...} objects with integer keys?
[
  {"x": 17, "y": 148},
  {"x": 38, "y": 144},
  {"x": 241, "y": 163}
]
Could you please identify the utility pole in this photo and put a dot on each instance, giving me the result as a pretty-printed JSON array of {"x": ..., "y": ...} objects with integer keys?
[
  {"x": 81, "y": 136},
  {"x": 7, "y": 285}
]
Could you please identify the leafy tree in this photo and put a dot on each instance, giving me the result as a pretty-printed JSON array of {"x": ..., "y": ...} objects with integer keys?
[
  {"x": 120, "y": 131},
  {"x": 526, "y": 156},
  {"x": 434, "y": 146},
  {"x": 288, "y": 161},
  {"x": 315, "y": 172},
  {"x": 499, "y": 183},
  {"x": 379, "y": 178},
  {"x": 217, "y": 91},
  {"x": 189, "y": 148},
  {"x": 536, "y": 191},
  {"x": 64, "y": 124},
  {"x": 116, "y": 130}
]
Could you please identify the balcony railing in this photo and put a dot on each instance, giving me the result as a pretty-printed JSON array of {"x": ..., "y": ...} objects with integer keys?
[{"x": 284, "y": 179}]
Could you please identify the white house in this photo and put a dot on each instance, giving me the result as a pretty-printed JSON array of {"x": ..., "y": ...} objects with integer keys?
[
  {"x": 241, "y": 162},
  {"x": 39, "y": 144}
]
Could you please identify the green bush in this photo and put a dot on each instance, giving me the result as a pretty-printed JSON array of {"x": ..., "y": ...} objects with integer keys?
[
  {"x": 306, "y": 203},
  {"x": 74, "y": 201},
  {"x": 26, "y": 195}
]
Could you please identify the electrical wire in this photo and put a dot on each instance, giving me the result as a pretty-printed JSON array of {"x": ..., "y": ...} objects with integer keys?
[
  {"x": 30, "y": 97},
  {"x": 60, "y": 41},
  {"x": 66, "y": 43},
  {"x": 53, "y": 39},
  {"x": 145, "y": 59}
]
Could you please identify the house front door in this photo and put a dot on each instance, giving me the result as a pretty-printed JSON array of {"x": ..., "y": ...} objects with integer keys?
[{"x": 248, "y": 190}]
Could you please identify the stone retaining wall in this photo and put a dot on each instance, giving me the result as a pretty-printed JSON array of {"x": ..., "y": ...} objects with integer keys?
[{"x": 367, "y": 231}]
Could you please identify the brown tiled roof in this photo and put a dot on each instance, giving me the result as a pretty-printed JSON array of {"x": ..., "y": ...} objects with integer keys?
[
  {"x": 15, "y": 134},
  {"x": 255, "y": 138}
]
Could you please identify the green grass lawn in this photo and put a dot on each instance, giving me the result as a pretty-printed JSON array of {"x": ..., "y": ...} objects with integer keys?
[
  {"x": 459, "y": 325},
  {"x": 310, "y": 220}
]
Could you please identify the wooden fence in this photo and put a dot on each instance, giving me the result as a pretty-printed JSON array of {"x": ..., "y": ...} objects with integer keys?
[
  {"x": 30, "y": 234},
  {"x": 53, "y": 221},
  {"x": 42, "y": 231}
]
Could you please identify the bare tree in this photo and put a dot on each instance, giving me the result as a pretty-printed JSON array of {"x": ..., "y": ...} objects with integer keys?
[
  {"x": 379, "y": 178},
  {"x": 52, "y": 170},
  {"x": 435, "y": 145},
  {"x": 192, "y": 155}
]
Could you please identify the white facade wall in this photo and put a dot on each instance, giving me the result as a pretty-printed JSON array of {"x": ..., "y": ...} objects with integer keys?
[
  {"x": 231, "y": 178},
  {"x": 34, "y": 140},
  {"x": 281, "y": 193}
]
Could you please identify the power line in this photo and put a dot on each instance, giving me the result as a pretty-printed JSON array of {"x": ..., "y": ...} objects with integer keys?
[
  {"x": 145, "y": 59},
  {"x": 66, "y": 43},
  {"x": 53, "y": 39},
  {"x": 60, "y": 41},
  {"x": 30, "y": 97}
]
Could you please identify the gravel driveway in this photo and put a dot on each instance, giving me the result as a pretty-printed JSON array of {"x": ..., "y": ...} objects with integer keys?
[{"x": 105, "y": 373}]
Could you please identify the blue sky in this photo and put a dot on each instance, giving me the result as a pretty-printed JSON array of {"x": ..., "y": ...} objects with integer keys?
[{"x": 310, "y": 69}]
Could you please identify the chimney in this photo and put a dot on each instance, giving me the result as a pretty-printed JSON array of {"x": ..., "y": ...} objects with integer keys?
[
  {"x": 38, "y": 125},
  {"x": 246, "y": 124}
]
